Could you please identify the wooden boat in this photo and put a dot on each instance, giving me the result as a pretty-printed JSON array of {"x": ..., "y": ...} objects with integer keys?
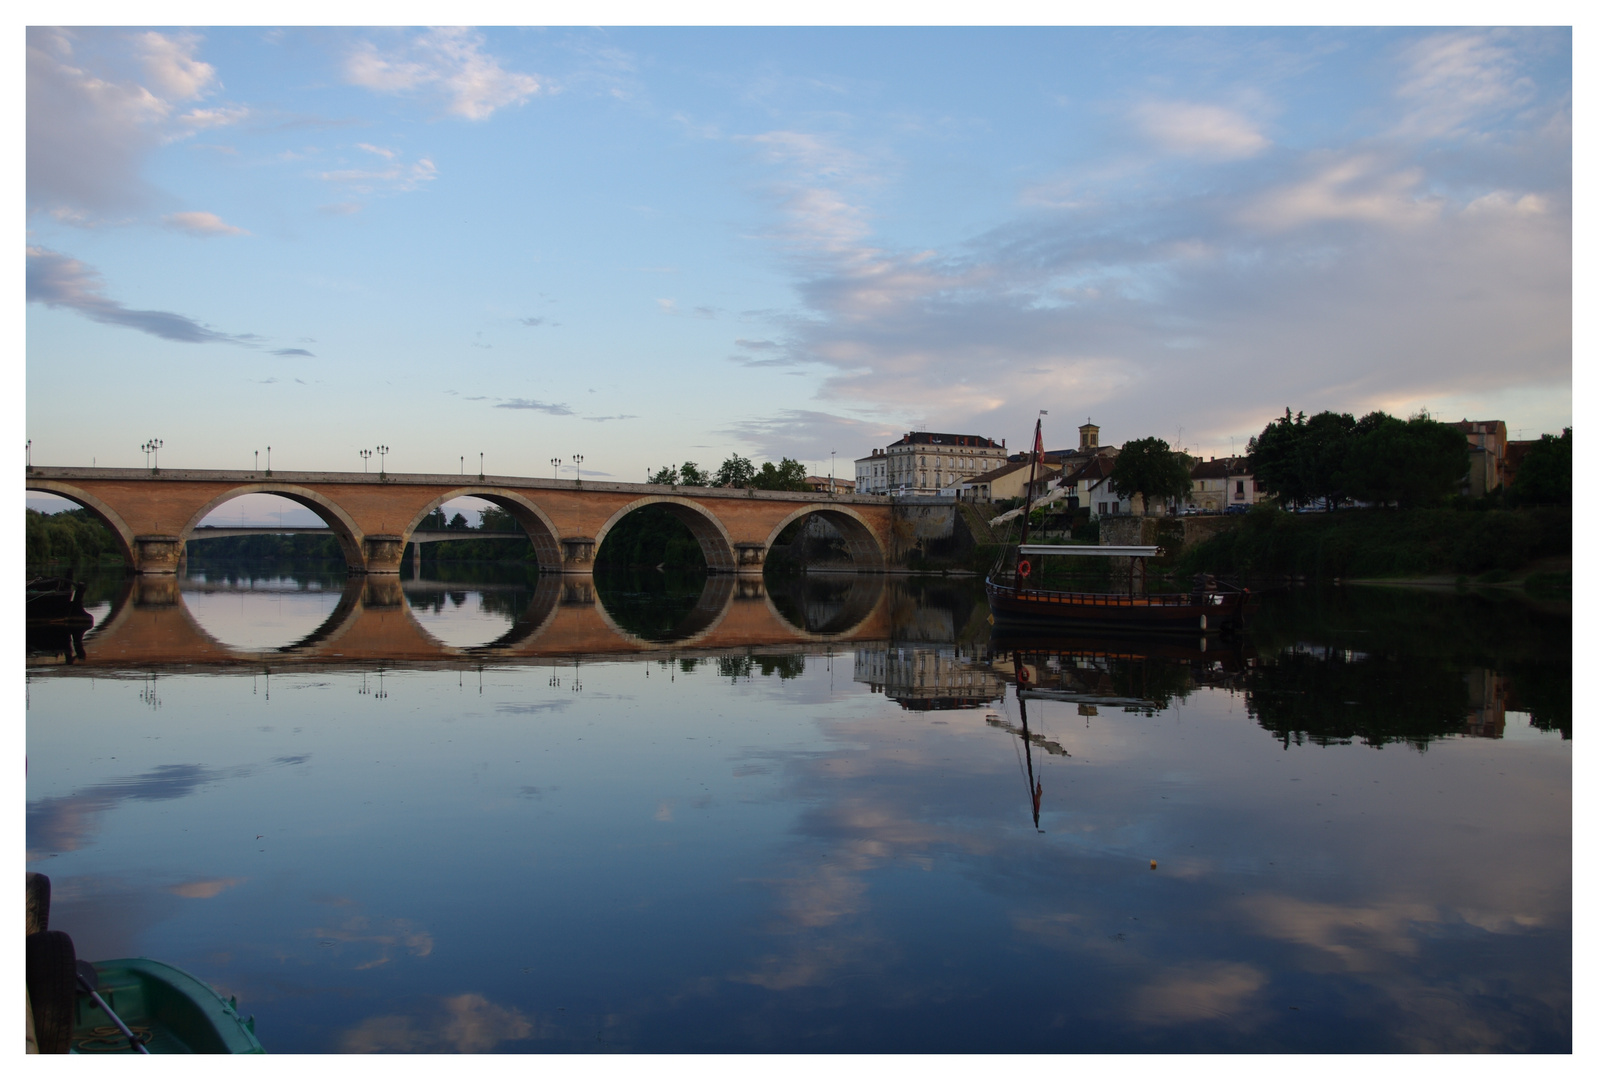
[
  {"x": 1209, "y": 606},
  {"x": 166, "y": 1008},
  {"x": 58, "y": 601},
  {"x": 135, "y": 1006}
]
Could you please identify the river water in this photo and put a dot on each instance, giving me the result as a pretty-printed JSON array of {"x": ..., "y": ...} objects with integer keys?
[{"x": 678, "y": 814}]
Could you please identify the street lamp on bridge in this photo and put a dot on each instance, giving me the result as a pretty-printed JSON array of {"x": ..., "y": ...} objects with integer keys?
[
  {"x": 366, "y": 455},
  {"x": 554, "y": 463},
  {"x": 577, "y": 459},
  {"x": 153, "y": 447},
  {"x": 382, "y": 453},
  {"x": 479, "y": 464}
]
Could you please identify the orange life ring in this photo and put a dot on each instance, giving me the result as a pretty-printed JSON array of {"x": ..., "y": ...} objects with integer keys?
[{"x": 1024, "y": 568}]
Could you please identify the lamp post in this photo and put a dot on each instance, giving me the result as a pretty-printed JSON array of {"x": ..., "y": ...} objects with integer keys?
[
  {"x": 577, "y": 459},
  {"x": 382, "y": 452},
  {"x": 30, "y": 455},
  {"x": 479, "y": 464},
  {"x": 269, "y": 461},
  {"x": 257, "y": 462},
  {"x": 152, "y": 448},
  {"x": 832, "y": 477},
  {"x": 554, "y": 463},
  {"x": 366, "y": 455},
  {"x": 463, "y": 464}
]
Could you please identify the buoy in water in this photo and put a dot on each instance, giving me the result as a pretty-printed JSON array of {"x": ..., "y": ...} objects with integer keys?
[{"x": 1153, "y": 864}]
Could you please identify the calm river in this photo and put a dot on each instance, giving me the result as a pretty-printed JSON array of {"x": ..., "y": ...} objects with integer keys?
[{"x": 671, "y": 814}]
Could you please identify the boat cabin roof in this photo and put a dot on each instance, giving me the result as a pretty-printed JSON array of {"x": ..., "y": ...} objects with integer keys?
[{"x": 1143, "y": 551}]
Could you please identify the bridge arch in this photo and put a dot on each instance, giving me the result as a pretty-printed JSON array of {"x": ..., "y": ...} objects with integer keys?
[
  {"x": 865, "y": 550},
  {"x": 720, "y": 554},
  {"x": 344, "y": 528},
  {"x": 108, "y": 517},
  {"x": 534, "y": 522}
]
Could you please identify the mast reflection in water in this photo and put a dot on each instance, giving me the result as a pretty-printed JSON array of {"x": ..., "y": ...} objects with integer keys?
[{"x": 724, "y": 814}]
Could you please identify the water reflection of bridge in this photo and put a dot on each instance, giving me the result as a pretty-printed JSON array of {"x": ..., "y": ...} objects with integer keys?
[{"x": 150, "y": 625}]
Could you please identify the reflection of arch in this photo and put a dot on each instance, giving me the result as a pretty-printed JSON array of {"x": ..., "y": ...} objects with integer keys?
[
  {"x": 335, "y": 624},
  {"x": 706, "y": 527},
  {"x": 865, "y": 550},
  {"x": 861, "y": 598},
  {"x": 534, "y": 522},
  {"x": 533, "y": 619},
  {"x": 342, "y": 524},
  {"x": 715, "y": 599},
  {"x": 108, "y": 517}
]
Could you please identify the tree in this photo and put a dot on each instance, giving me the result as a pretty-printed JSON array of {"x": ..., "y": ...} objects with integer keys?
[
  {"x": 458, "y": 522},
  {"x": 735, "y": 472},
  {"x": 693, "y": 477},
  {"x": 496, "y": 519},
  {"x": 1322, "y": 452},
  {"x": 668, "y": 475},
  {"x": 1544, "y": 475},
  {"x": 1275, "y": 456},
  {"x": 788, "y": 476},
  {"x": 1414, "y": 462},
  {"x": 1148, "y": 467}
]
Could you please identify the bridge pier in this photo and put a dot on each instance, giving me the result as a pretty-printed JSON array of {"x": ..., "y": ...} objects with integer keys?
[
  {"x": 751, "y": 557},
  {"x": 577, "y": 554},
  {"x": 157, "y": 554},
  {"x": 384, "y": 552}
]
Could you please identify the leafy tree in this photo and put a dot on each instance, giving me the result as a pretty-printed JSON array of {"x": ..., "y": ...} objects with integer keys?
[
  {"x": 496, "y": 519},
  {"x": 1322, "y": 452},
  {"x": 1415, "y": 462},
  {"x": 692, "y": 476},
  {"x": 736, "y": 472},
  {"x": 1149, "y": 467},
  {"x": 458, "y": 522},
  {"x": 1544, "y": 475},
  {"x": 1276, "y": 457},
  {"x": 788, "y": 476},
  {"x": 434, "y": 520},
  {"x": 668, "y": 475}
]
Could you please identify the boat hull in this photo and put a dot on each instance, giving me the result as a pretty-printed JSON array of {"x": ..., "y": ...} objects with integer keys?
[
  {"x": 1216, "y": 611},
  {"x": 181, "y": 1014}
]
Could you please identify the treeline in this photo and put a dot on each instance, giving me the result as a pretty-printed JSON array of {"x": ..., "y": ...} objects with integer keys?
[
  {"x": 1270, "y": 542},
  {"x": 69, "y": 538},
  {"x": 1332, "y": 458},
  {"x": 736, "y": 472},
  {"x": 1377, "y": 459}
]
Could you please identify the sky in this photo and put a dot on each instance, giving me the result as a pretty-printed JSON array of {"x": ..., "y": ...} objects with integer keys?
[{"x": 645, "y": 246}]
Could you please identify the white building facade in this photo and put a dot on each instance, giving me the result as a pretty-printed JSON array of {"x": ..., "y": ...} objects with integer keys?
[{"x": 927, "y": 462}]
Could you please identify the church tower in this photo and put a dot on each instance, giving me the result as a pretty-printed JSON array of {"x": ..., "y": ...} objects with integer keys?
[{"x": 1089, "y": 437}]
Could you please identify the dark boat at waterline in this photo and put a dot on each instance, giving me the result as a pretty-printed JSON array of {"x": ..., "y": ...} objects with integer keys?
[
  {"x": 1205, "y": 609},
  {"x": 58, "y": 601},
  {"x": 1210, "y": 606}
]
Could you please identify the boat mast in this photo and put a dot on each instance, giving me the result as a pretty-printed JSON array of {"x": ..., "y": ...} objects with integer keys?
[{"x": 1026, "y": 514}]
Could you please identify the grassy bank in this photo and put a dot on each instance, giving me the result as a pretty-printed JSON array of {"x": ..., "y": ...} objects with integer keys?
[{"x": 1384, "y": 543}]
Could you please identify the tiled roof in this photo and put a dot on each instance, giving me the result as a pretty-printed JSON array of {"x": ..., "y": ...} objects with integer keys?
[
  {"x": 942, "y": 439},
  {"x": 1221, "y": 469}
]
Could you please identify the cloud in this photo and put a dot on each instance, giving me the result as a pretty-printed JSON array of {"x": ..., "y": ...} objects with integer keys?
[
  {"x": 91, "y": 124},
  {"x": 531, "y": 321},
  {"x": 204, "y": 890},
  {"x": 809, "y": 435},
  {"x": 201, "y": 223},
  {"x": 1355, "y": 188},
  {"x": 603, "y": 419},
  {"x": 1216, "y": 991},
  {"x": 536, "y": 406},
  {"x": 448, "y": 64},
  {"x": 464, "y": 1024},
  {"x": 63, "y": 823},
  {"x": 399, "y": 176},
  {"x": 292, "y": 352},
  {"x": 60, "y": 281},
  {"x": 1183, "y": 127},
  {"x": 1458, "y": 78},
  {"x": 1342, "y": 275}
]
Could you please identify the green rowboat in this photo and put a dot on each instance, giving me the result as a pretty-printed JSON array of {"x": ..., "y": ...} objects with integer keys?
[{"x": 167, "y": 1009}]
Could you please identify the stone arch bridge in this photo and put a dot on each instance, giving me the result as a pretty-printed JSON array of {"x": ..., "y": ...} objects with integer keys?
[{"x": 153, "y": 513}]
